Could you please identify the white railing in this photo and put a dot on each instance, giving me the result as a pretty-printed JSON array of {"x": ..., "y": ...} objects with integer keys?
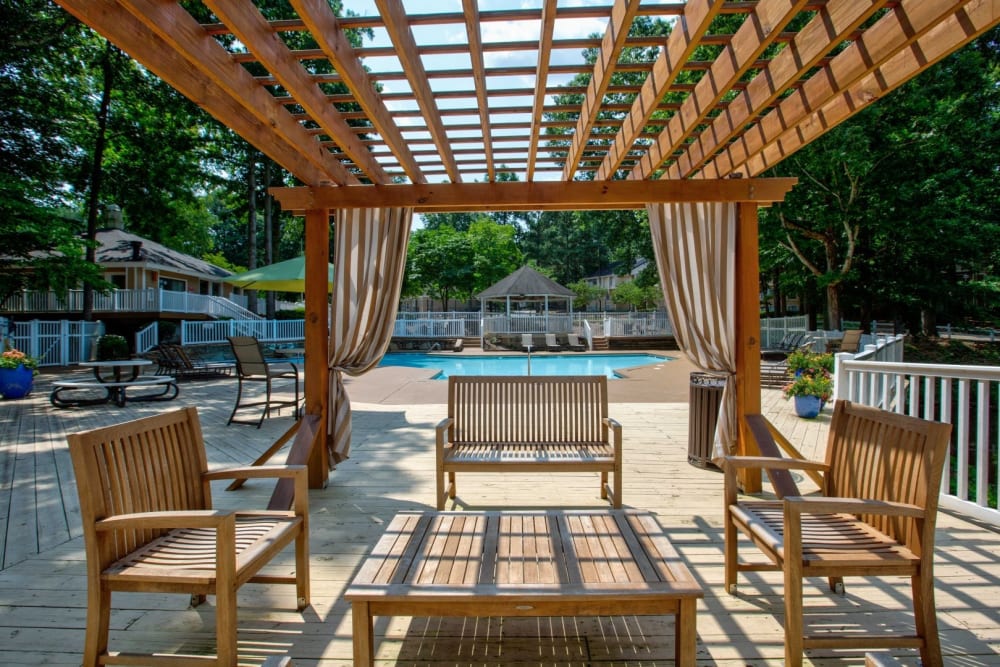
[
  {"x": 147, "y": 338},
  {"x": 217, "y": 331},
  {"x": 126, "y": 301},
  {"x": 964, "y": 396},
  {"x": 518, "y": 324},
  {"x": 653, "y": 324},
  {"x": 56, "y": 343},
  {"x": 438, "y": 325},
  {"x": 588, "y": 335},
  {"x": 773, "y": 329}
]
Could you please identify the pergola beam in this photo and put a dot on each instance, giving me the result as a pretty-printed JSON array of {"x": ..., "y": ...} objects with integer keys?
[
  {"x": 685, "y": 37},
  {"x": 324, "y": 24},
  {"x": 251, "y": 28},
  {"x": 471, "y": 12},
  {"x": 832, "y": 24},
  {"x": 622, "y": 14},
  {"x": 533, "y": 196},
  {"x": 538, "y": 106},
  {"x": 895, "y": 31},
  {"x": 760, "y": 28},
  {"x": 397, "y": 25},
  {"x": 964, "y": 26},
  {"x": 173, "y": 46}
]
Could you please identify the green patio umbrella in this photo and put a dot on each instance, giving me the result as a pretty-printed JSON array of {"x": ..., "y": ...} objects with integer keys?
[{"x": 286, "y": 276}]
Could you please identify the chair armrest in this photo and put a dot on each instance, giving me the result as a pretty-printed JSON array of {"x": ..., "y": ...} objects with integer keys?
[
  {"x": 822, "y": 505},
  {"x": 441, "y": 432},
  {"x": 616, "y": 435},
  {"x": 166, "y": 520},
  {"x": 249, "y": 472},
  {"x": 774, "y": 463}
]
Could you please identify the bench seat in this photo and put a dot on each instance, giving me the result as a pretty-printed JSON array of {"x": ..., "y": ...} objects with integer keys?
[{"x": 528, "y": 424}]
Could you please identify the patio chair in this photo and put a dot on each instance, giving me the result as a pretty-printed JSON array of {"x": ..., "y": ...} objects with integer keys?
[
  {"x": 191, "y": 366},
  {"x": 851, "y": 342},
  {"x": 527, "y": 342},
  {"x": 149, "y": 526},
  {"x": 251, "y": 366},
  {"x": 551, "y": 344},
  {"x": 875, "y": 516},
  {"x": 790, "y": 342},
  {"x": 574, "y": 343}
]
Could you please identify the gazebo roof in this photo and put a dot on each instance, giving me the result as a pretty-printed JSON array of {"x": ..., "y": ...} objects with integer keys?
[
  {"x": 526, "y": 282},
  {"x": 460, "y": 96}
]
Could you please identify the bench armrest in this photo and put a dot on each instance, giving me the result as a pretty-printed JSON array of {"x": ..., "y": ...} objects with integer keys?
[
  {"x": 166, "y": 520},
  {"x": 252, "y": 472},
  {"x": 441, "y": 431},
  {"x": 821, "y": 505},
  {"x": 730, "y": 464}
]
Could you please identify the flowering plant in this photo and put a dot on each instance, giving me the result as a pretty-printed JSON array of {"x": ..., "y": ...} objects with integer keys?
[
  {"x": 811, "y": 382},
  {"x": 12, "y": 358}
]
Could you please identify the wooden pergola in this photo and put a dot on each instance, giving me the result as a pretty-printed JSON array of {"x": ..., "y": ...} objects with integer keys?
[{"x": 414, "y": 118}]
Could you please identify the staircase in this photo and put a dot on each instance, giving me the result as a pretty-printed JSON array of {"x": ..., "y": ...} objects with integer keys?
[
  {"x": 223, "y": 307},
  {"x": 601, "y": 344}
]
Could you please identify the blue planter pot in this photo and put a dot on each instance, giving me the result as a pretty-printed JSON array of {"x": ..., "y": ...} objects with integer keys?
[
  {"x": 16, "y": 382},
  {"x": 808, "y": 407}
]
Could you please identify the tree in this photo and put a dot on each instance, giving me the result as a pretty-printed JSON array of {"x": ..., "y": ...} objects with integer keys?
[
  {"x": 494, "y": 253},
  {"x": 635, "y": 296},
  {"x": 439, "y": 263},
  {"x": 585, "y": 293}
]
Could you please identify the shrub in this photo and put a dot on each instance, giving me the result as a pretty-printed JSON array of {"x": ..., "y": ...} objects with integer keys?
[{"x": 111, "y": 347}]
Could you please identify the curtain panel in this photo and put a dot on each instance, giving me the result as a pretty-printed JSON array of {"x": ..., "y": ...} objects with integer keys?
[
  {"x": 695, "y": 246},
  {"x": 369, "y": 261}
]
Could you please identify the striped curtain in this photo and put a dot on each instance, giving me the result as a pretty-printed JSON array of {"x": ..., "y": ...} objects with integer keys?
[
  {"x": 695, "y": 246},
  {"x": 369, "y": 259}
]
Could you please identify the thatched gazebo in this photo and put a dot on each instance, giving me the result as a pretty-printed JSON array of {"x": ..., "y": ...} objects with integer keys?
[{"x": 527, "y": 297}]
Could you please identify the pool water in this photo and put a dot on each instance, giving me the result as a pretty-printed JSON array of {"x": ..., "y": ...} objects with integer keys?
[{"x": 547, "y": 364}]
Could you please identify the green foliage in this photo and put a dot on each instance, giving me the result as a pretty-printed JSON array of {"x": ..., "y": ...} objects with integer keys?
[
  {"x": 12, "y": 358},
  {"x": 630, "y": 293},
  {"x": 803, "y": 360},
  {"x": 111, "y": 347},
  {"x": 810, "y": 382},
  {"x": 585, "y": 293}
]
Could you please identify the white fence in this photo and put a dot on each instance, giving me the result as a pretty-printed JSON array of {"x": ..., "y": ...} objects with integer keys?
[
  {"x": 651, "y": 324},
  {"x": 217, "y": 331},
  {"x": 126, "y": 301},
  {"x": 55, "y": 343},
  {"x": 773, "y": 329},
  {"x": 968, "y": 397}
]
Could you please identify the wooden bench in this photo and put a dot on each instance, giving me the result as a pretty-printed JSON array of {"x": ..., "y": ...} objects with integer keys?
[
  {"x": 875, "y": 517},
  {"x": 149, "y": 526},
  {"x": 500, "y": 564},
  {"x": 528, "y": 424},
  {"x": 114, "y": 392}
]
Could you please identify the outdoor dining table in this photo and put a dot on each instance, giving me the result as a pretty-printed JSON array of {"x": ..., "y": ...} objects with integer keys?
[{"x": 115, "y": 377}]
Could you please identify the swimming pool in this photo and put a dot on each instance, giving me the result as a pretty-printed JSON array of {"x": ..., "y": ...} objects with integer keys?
[{"x": 547, "y": 364}]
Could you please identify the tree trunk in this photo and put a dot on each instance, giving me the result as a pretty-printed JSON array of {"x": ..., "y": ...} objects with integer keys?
[
  {"x": 928, "y": 322},
  {"x": 97, "y": 172},
  {"x": 833, "y": 314},
  {"x": 251, "y": 222}
]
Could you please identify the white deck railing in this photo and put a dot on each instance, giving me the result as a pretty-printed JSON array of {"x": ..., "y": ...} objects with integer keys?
[
  {"x": 217, "y": 331},
  {"x": 126, "y": 301},
  {"x": 56, "y": 343},
  {"x": 964, "y": 396}
]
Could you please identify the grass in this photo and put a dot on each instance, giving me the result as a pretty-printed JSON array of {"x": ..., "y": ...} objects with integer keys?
[{"x": 951, "y": 351}]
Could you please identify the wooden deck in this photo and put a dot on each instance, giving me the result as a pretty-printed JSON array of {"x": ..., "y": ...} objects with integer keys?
[{"x": 42, "y": 581}]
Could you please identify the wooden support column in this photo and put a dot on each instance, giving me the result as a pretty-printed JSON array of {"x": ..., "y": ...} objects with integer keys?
[
  {"x": 747, "y": 334},
  {"x": 317, "y": 372}
]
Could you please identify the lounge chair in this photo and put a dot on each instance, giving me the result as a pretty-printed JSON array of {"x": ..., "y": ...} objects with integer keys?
[
  {"x": 527, "y": 342},
  {"x": 551, "y": 344},
  {"x": 851, "y": 342},
  {"x": 251, "y": 366},
  {"x": 191, "y": 365},
  {"x": 574, "y": 343},
  {"x": 790, "y": 342}
]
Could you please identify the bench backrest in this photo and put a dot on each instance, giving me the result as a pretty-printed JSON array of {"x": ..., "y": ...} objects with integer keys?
[
  {"x": 879, "y": 455},
  {"x": 146, "y": 465},
  {"x": 501, "y": 409}
]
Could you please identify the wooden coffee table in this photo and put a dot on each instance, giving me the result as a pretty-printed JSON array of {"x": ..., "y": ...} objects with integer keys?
[{"x": 544, "y": 563}]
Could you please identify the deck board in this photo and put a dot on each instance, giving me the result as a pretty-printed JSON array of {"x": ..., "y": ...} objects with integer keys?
[{"x": 42, "y": 595}]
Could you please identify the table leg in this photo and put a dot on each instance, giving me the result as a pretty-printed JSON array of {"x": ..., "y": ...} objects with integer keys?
[
  {"x": 364, "y": 634},
  {"x": 686, "y": 639}
]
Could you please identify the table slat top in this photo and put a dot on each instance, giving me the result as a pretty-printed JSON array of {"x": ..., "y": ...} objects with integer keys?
[{"x": 527, "y": 555}]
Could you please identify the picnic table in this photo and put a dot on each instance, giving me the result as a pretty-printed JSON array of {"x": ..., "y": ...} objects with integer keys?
[
  {"x": 112, "y": 380},
  {"x": 537, "y": 563}
]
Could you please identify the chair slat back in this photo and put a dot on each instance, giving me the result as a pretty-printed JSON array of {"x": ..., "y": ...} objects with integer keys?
[
  {"x": 249, "y": 355},
  {"x": 146, "y": 465},
  {"x": 499, "y": 409},
  {"x": 879, "y": 455}
]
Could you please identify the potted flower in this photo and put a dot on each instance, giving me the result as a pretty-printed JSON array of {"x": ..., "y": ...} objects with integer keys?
[
  {"x": 802, "y": 360},
  {"x": 810, "y": 389},
  {"x": 17, "y": 373}
]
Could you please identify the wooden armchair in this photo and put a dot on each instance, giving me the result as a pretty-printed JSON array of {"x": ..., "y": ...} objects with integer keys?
[
  {"x": 149, "y": 526},
  {"x": 875, "y": 517}
]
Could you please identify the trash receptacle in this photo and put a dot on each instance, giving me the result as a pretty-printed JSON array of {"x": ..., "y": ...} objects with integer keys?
[{"x": 706, "y": 397}]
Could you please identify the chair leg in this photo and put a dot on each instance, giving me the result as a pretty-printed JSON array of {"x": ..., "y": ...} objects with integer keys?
[
  {"x": 267, "y": 402},
  {"x": 925, "y": 616},
  {"x": 452, "y": 489},
  {"x": 225, "y": 625},
  {"x": 95, "y": 644},
  {"x": 604, "y": 485},
  {"x": 302, "y": 570},
  {"x": 794, "y": 626},
  {"x": 731, "y": 552},
  {"x": 239, "y": 396}
]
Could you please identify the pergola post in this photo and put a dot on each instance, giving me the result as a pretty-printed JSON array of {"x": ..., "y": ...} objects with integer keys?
[
  {"x": 317, "y": 335},
  {"x": 747, "y": 277}
]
